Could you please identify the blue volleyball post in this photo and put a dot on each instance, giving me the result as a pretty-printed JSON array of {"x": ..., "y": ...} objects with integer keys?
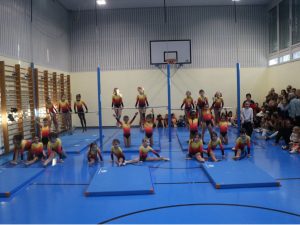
[
  {"x": 238, "y": 93},
  {"x": 99, "y": 107},
  {"x": 169, "y": 102}
]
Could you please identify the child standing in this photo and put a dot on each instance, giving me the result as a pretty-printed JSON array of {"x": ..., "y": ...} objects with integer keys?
[
  {"x": 202, "y": 101},
  {"x": 94, "y": 154},
  {"x": 196, "y": 148},
  {"x": 188, "y": 104},
  {"x": 126, "y": 128},
  {"x": 242, "y": 141},
  {"x": 193, "y": 124},
  {"x": 223, "y": 125},
  {"x": 148, "y": 127},
  {"x": 217, "y": 106},
  {"x": 142, "y": 104},
  {"x": 78, "y": 108},
  {"x": 52, "y": 111},
  {"x": 207, "y": 121},
  {"x": 65, "y": 109},
  {"x": 117, "y": 103},
  {"x": 213, "y": 144},
  {"x": 117, "y": 151},
  {"x": 20, "y": 145}
]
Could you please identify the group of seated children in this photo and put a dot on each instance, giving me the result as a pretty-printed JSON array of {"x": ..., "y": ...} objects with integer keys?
[
  {"x": 196, "y": 150},
  {"x": 94, "y": 154},
  {"x": 36, "y": 149}
]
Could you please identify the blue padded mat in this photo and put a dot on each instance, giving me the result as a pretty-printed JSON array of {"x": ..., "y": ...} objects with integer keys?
[
  {"x": 238, "y": 174},
  {"x": 126, "y": 180},
  {"x": 12, "y": 179}
]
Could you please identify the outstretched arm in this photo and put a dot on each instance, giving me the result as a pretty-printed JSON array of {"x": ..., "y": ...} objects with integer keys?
[{"x": 131, "y": 121}]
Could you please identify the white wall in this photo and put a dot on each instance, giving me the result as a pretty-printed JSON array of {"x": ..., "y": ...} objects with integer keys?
[{"x": 155, "y": 84}]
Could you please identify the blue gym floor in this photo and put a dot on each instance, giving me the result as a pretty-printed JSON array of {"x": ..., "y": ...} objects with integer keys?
[{"x": 182, "y": 191}]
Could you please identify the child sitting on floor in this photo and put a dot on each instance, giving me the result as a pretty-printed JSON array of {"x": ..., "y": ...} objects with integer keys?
[
  {"x": 94, "y": 154},
  {"x": 144, "y": 149},
  {"x": 241, "y": 142},
  {"x": 295, "y": 140},
  {"x": 212, "y": 145},
  {"x": 196, "y": 148},
  {"x": 117, "y": 151}
]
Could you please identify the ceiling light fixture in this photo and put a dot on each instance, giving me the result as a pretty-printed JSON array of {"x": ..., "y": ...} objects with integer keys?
[
  {"x": 101, "y": 2},
  {"x": 235, "y": 0}
]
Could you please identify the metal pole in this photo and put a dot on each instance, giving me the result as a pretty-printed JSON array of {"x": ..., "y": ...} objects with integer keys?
[
  {"x": 169, "y": 102},
  {"x": 99, "y": 107},
  {"x": 238, "y": 93}
]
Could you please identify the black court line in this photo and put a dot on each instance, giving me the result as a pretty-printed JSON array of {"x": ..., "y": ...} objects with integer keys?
[
  {"x": 198, "y": 204},
  {"x": 195, "y": 182}
]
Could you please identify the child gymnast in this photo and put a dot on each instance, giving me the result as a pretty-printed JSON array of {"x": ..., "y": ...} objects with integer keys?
[
  {"x": 117, "y": 152},
  {"x": 217, "y": 106},
  {"x": 117, "y": 103},
  {"x": 52, "y": 111},
  {"x": 223, "y": 125},
  {"x": 126, "y": 128},
  {"x": 208, "y": 121},
  {"x": 148, "y": 127},
  {"x": 78, "y": 108},
  {"x": 20, "y": 145},
  {"x": 65, "y": 109},
  {"x": 202, "y": 101},
  {"x": 144, "y": 149},
  {"x": 241, "y": 142},
  {"x": 142, "y": 104},
  {"x": 188, "y": 104},
  {"x": 36, "y": 152},
  {"x": 196, "y": 148},
  {"x": 94, "y": 154},
  {"x": 212, "y": 145},
  {"x": 193, "y": 124},
  {"x": 54, "y": 149}
]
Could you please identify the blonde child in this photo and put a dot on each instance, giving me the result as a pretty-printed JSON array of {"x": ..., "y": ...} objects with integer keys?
[
  {"x": 144, "y": 149},
  {"x": 223, "y": 125},
  {"x": 217, "y": 106},
  {"x": 117, "y": 103},
  {"x": 78, "y": 108},
  {"x": 148, "y": 127},
  {"x": 188, "y": 104},
  {"x": 65, "y": 109},
  {"x": 52, "y": 111},
  {"x": 207, "y": 121},
  {"x": 141, "y": 104}
]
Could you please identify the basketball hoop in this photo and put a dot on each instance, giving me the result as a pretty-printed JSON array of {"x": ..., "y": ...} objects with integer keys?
[{"x": 171, "y": 61}]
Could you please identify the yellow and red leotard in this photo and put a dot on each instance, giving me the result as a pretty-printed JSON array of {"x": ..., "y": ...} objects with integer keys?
[
  {"x": 212, "y": 145},
  {"x": 117, "y": 101},
  {"x": 78, "y": 106},
  {"x": 55, "y": 147},
  {"x": 195, "y": 147},
  {"x": 64, "y": 106},
  {"x": 116, "y": 152},
  {"x": 144, "y": 152},
  {"x": 141, "y": 101}
]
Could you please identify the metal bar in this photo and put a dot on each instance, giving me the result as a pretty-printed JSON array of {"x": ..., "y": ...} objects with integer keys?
[
  {"x": 99, "y": 106},
  {"x": 169, "y": 102},
  {"x": 238, "y": 93}
]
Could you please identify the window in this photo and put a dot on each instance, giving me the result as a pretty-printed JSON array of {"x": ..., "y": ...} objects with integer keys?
[
  {"x": 296, "y": 22},
  {"x": 284, "y": 58},
  {"x": 273, "y": 62},
  {"x": 296, "y": 55},
  {"x": 273, "y": 45},
  {"x": 284, "y": 27}
]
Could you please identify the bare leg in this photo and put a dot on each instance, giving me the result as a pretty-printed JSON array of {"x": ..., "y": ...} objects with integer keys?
[
  {"x": 157, "y": 159},
  {"x": 237, "y": 155},
  {"x": 212, "y": 155},
  {"x": 28, "y": 163},
  {"x": 52, "y": 156},
  {"x": 199, "y": 157}
]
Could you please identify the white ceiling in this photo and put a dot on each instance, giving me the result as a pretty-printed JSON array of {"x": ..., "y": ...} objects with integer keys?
[{"x": 113, "y": 4}]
